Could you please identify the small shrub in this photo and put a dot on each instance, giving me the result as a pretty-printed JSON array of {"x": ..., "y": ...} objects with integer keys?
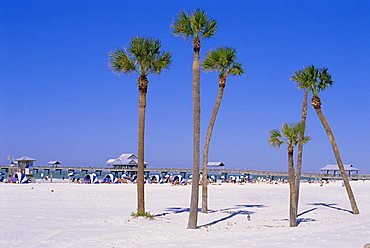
[{"x": 142, "y": 214}]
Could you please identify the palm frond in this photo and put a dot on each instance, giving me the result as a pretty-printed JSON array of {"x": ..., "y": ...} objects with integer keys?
[
  {"x": 236, "y": 69},
  {"x": 120, "y": 62},
  {"x": 162, "y": 61},
  {"x": 194, "y": 24},
  {"x": 198, "y": 20},
  {"x": 306, "y": 139},
  {"x": 144, "y": 56},
  {"x": 223, "y": 61},
  {"x": 275, "y": 139},
  {"x": 210, "y": 29},
  {"x": 182, "y": 26},
  {"x": 312, "y": 78},
  {"x": 301, "y": 79},
  {"x": 325, "y": 80}
]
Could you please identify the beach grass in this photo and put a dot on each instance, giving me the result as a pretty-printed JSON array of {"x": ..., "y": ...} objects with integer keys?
[{"x": 144, "y": 214}]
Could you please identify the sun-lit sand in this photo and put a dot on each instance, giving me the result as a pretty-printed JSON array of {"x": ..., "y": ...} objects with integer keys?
[{"x": 251, "y": 215}]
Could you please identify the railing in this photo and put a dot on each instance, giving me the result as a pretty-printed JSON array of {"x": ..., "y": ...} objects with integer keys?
[{"x": 216, "y": 170}]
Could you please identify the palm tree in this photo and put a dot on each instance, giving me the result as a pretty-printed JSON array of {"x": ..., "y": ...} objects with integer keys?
[
  {"x": 197, "y": 26},
  {"x": 302, "y": 80},
  {"x": 222, "y": 61},
  {"x": 143, "y": 56},
  {"x": 290, "y": 135},
  {"x": 320, "y": 80}
]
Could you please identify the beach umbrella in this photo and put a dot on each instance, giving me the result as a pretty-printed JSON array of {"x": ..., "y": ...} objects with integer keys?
[
  {"x": 20, "y": 178},
  {"x": 156, "y": 179},
  {"x": 110, "y": 178},
  {"x": 91, "y": 178},
  {"x": 177, "y": 178},
  {"x": 125, "y": 175},
  {"x": 133, "y": 179}
]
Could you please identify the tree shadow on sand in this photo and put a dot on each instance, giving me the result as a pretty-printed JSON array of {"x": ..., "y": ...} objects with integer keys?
[
  {"x": 307, "y": 211},
  {"x": 304, "y": 220},
  {"x": 328, "y": 205},
  {"x": 231, "y": 215},
  {"x": 239, "y": 209},
  {"x": 174, "y": 210},
  {"x": 233, "y": 211}
]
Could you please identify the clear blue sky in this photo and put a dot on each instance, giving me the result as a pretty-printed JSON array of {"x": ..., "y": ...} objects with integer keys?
[{"x": 59, "y": 100}]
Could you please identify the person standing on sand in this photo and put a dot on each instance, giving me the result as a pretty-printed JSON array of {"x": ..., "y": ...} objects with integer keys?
[{"x": 51, "y": 177}]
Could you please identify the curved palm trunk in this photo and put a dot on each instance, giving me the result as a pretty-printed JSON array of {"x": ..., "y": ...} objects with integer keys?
[
  {"x": 300, "y": 148},
  {"x": 193, "y": 213},
  {"x": 143, "y": 82},
  {"x": 292, "y": 189},
  {"x": 222, "y": 81},
  {"x": 316, "y": 103}
]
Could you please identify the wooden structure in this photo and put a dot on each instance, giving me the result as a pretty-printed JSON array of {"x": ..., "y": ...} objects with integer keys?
[
  {"x": 25, "y": 165},
  {"x": 332, "y": 169}
]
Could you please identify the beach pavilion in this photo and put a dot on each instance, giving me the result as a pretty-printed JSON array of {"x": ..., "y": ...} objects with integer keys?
[
  {"x": 332, "y": 169},
  {"x": 125, "y": 160},
  {"x": 215, "y": 164},
  {"x": 55, "y": 163},
  {"x": 25, "y": 164}
]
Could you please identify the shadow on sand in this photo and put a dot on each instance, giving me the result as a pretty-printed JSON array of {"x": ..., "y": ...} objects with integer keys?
[
  {"x": 174, "y": 210},
  {"x": 307, "y": 211},
  {"x": 304, "y": 220},
  {"x": 177, "y": 210},
  {"x": 328, "y": 205},
  {"x": 239, "y": 209},
  {"x": 231, "y": 214}
]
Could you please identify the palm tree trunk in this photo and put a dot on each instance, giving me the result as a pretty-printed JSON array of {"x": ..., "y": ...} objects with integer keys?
[
  {"x": 140, "y": 167},
  {"x": 193, "y": 213},
  {"x": 316, "y": 103},
  {"x": 292, "y": 189},
  {"x": 300, "y": 148},
  {"x": 206, "y": 145}
]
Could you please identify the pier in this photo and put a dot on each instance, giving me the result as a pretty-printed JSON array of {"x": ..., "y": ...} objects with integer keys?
[{"x": 59, "y": 172}]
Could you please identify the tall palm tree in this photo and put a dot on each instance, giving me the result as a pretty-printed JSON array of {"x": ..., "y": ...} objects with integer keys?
[
  {"x": 302, "y": 80},
  {"x": 195, "y": 25},
  {"x": 320, "y": 80},
  {"x": 143, "y": 56},
  {"x": 222, "y": 61},
  {"x": 289, "y": 135}
]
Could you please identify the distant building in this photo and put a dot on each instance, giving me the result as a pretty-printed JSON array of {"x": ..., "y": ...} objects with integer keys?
[
  {"x": 332, "y": 169},
  {"x": 215, "y": 164},
  {"x": 25, "y": 164},
  {"x": 55, "y": 163},
  {"x": 125, "y": 160}
]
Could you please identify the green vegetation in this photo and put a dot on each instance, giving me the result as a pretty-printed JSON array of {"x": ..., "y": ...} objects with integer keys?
[{"x": 142, "y": 214}]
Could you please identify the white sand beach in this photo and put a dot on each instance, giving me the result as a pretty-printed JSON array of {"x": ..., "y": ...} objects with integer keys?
[{"x": 250, "y": 215}]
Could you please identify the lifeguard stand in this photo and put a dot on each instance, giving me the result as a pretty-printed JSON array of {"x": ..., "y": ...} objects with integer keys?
[{"x": 25, "y": 165}]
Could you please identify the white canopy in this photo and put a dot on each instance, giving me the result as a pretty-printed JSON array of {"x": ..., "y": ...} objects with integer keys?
[
  {"x": 334, "y": 167},
  {"x": 25, "y": 159},
  {"x": 215, "y": 164}
]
